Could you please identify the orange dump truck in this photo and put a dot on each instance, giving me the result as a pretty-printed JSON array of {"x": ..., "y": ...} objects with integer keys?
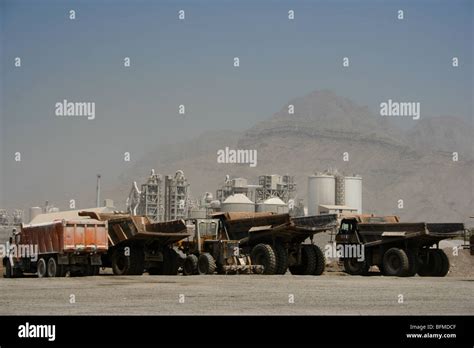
[{"x": 52, "y": 249}]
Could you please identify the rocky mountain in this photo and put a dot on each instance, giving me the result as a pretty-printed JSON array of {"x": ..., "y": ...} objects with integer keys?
[{"x": 416, "y": 165}]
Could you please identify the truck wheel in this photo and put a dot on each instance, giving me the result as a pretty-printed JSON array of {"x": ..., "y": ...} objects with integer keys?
[
  {"x": 170, "y": 262},
  {"x": 443, "y": 267},
  {"x": 41, "y": 268},
  {"x": 308, "y": 262},
  {"x": 353, "y": 266},
  {"x": 263, "y": 254},
  {"x": 120, "y": 262},
  {"x": 8, "y": 269},
  {"x": 413, "y": 262},
  {"x": 137, "y": 261},
  {"x": 206, "y": 264},
  {"x": 395, "y": 262},
  {"x": 431, "y": 265},
  {"x": 281, "y": 255},
  {"x": 320, "y": 261},
  {"x": 62, "y": 270},
  {"x": 53, "y": 268},
  {"x": 190, "y": 265}
]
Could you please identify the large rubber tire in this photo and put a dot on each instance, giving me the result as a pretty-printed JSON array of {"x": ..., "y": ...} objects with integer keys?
[
  {"x": 53, "y": 269},
  {"x": 281, "y": 255},
  {"x": 443, "y": 267},
  {"x": 137, "y": 261},
  {"x": 354, "y": 267},
  {"x": 432, "y": 267},
  {"x": 263, "y": 254},
  {"x": 41, "y": 268},
  {"x": 170, "y": 262},
  {"x": 120, "y": 262},
  {"x": 320, "y": 261},
  {"x": 413, "y": 262},
  {"x": 62, "y": 270},
  {"x": 395, "y": 262},
  {"x": 190, "y": 266},
  {"x": 8, "y": 269},
  {"x": 91, "y": 270},
  {"x": 206, "y": 264},
  {"x": 308, "y": 263}
]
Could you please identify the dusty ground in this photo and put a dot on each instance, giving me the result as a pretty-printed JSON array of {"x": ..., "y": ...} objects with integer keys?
[
  {"x": 334, "y": 293},
  {"x": 330, "y": 294}
]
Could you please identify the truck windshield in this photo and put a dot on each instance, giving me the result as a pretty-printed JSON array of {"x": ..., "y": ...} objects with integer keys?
[
  {"x": 208, "y": 229},
  {"x": 345, "y": 228}
]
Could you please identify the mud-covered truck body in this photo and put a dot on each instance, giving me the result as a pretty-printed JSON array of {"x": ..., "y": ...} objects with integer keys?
[
  {"x": 52, "y": 249},
  {"x": 276, "y": 241},
  {"x": 397, "y": 248},
  {"x": 136, "y": 244},
  {"x": 210, "y": 250}
]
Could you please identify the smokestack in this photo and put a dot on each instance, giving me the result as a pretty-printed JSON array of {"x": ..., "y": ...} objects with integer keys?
[{"x": 97, "y": 203}]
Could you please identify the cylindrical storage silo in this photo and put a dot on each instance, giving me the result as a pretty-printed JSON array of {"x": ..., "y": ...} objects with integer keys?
[
  {"x": 273, "y": 205},
  {"x": 35, "y": 211},
  {"x": 238, "y": 203},
  {"x": 321, "y": 190},
  {"x": 353, "y": 192}
]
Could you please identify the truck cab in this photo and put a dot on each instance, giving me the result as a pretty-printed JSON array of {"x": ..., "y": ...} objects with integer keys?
[
  {"x": 208, "y": 250},
  {"x": 202, "y": 231},
  {"x": 347, "y": 232}
]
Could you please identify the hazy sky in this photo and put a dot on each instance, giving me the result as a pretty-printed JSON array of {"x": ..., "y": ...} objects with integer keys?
[{"x": 190, "y": 62}]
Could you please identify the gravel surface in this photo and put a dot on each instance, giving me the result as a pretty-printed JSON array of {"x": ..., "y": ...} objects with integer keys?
[{"x": 331, "y": 294}]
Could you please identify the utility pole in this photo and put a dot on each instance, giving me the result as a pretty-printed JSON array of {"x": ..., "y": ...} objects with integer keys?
[{"x": 98, "y": 191}]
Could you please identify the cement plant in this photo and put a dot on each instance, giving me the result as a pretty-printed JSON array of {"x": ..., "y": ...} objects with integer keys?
[{"x": 248, "y": 227}]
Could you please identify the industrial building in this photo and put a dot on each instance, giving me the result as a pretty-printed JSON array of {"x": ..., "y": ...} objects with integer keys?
[
  {"x": 238, "y": 203},
  {"x": 274, "y": 185},
  {"x": 176, "y": 196},
  {"x": 334, "y": 192},
  {"x": 281, "y": 186},
  {"x": 160, "y": 204},
  {"x": 14, "y": 219},
  {"x": 273, "y": 205},
  {"x": 148, "y": 200},
  {"x": 328, "y": 192},
  {"x": 235, "y": 186}
]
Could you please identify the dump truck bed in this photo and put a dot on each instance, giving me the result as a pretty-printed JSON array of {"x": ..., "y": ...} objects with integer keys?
[
  {"x": 247, "y": 227},
  {"x": 66, "y": 236},
  {"x": 317, "y": 223},
  {"x": 124, "y": 227},
  {"x": 424, "y": 233}
]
